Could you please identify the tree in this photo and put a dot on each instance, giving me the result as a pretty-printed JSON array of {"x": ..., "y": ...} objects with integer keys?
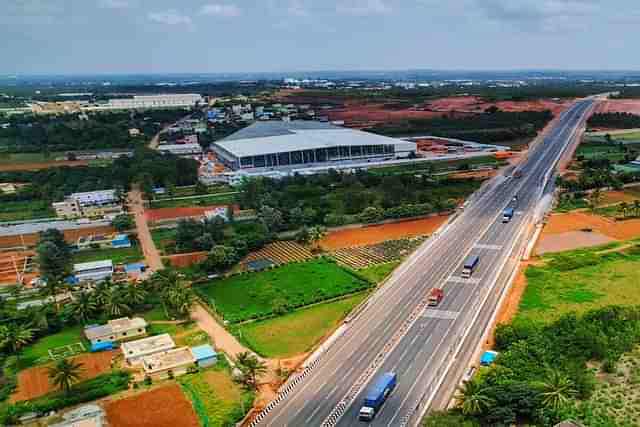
[
  {"x": 472, "y": 398},
  {"x": 251, "y": 367},
  {"x": 53, "y": 261},
  {"x": 271, "y": 218},
  {"x": 83, "y": 307},
  {"x": 114, "y": 305},
  {"x": 64, "y": 374},
  {"x": 221, "y": 257},
  {"x": 557, "y": 390},
  {"x": 314, "y": 235},
  {"x": 636, "y": 208},
  {"x": 135, "y": 293},
  {"x": 123, "y": 222},
  {"x": 39, "y": 317},
  {"x": 623, "y": 208},
  {"x": 595, "y": 198},
  {"x": 13, "y": 337}
]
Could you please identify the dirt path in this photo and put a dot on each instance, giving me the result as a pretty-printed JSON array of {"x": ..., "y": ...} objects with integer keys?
[{"x": 151, "y": 254}]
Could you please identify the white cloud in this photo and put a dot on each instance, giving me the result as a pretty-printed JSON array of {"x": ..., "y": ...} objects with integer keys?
[
  {"x": 224, "y": 10},
  {"x": 114, "y": 4},
  {"x": 363, "y": 7},
  {"x": 170, "y": 17}
]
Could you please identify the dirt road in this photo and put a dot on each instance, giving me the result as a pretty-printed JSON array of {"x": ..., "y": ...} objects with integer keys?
[{"x": 151, "y": 254}]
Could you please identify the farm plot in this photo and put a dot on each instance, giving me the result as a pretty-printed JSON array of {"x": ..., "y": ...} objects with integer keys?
[
  {"x": 34, "y": 382},
  {"x": 172, "y": 213},
  {"x": 277, "y": 253},
  {"x": 161, "y": 407},
  {"x": 366, "y": 256},
  {"x": 259, "y": 295}
]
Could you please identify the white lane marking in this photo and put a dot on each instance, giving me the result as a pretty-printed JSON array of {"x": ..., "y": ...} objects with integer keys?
[
  {"x": 460, "y": 280},
  {"x": 488, "y": 247},
  {"x": 441, "y": 314}
]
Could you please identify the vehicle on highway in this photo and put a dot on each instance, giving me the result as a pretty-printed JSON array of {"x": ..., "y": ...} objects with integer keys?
[
  {"x": 507, "y": 215},
  {"x": 517, "y": 174},
  {"x": 376, "y": 395},
  {"x": 470, "y": 265},
  {"x": 435, "y": 296}
]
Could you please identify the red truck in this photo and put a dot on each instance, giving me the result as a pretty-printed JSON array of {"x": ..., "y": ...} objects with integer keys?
[{"x": 435, "y": 296}]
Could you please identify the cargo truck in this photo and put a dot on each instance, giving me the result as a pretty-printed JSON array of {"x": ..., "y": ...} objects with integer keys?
[
  {"x": 435, "y": 296},
  {"x": 507, "y": 215},
  {"x": 470, "y": 265},
  {"x": 376, "y": 395}
]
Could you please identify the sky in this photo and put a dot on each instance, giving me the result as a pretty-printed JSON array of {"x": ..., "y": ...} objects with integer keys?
[{"x": 224, "y": 36}]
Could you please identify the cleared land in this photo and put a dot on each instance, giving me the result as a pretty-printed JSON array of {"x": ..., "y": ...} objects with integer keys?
[
  {"x": 576, "y": 221},
  {"x": 169, "y": 213},
  {"x": 571, "y": 240},
  {"x": 619, "y": 106},
  {"x": 12, "y": 167},
  {"x": 296, "y": 332},
  {"x": 162, "y": 407},
  {"x": 379, "y": 233},
  {"x": 581, "y": 280},
  {"x": 34, "y": 382},
  {"x": 118, "y": 256},
  {"x": 209, "y": 200},
  {"x": 70, "y": 236},
  {"x": 255, "y": 295},
  {"x": 217, "y": 400}
]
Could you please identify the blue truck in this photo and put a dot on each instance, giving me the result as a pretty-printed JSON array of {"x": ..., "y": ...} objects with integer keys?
[
  {"x": 507, "y": 215},
  {"x": 376, "y": 395},
  {"x": 470, "y": 265}
]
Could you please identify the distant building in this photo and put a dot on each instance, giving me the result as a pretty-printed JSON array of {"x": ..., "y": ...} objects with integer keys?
[
  {"x": 116, "y": 330},
  {"x": 218, "y": 212},
  {"x": 155, "y": 101},
  {"x": 103, "y": 241},
  {"x": 96, "y": 271},
  {"x": 89, "y": 204},
  {"x": 181, "y": 149},
  {"x": 135, "y": 351},
  {"x": 177, "y": 360}
]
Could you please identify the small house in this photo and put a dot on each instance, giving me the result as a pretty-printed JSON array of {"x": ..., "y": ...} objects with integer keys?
[
  {"x": 204, "y": 355},
  {"x": 135, "y": 351},
  {"x": 116, "y": 330},
  {"x": 162, "y": 365}
]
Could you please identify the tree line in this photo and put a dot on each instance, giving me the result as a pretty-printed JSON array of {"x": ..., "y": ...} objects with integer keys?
[{"x": 614, "y": 120}]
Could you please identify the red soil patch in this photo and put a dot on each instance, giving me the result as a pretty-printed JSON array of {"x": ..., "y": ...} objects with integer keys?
[
  {"x": 70, "y": 236},
  {"x": 163, "y": 214},
  {"x": 372, "y": 114},
  {"x": 575, "y": 221},
  {"x": 186, "y": 260},
  {"x": 9, "y": 262},
  {"x": 162, "y": 407},
  {"x": 468, "y": 103},
  {"x": 45, "y": 165},
  {"x": 379, "y": 233},
  {"x": 619, "y": 106},
  {"x": 34, "y": 382}
]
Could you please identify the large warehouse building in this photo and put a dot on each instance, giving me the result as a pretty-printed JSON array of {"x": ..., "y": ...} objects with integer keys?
[{"x": 291, "y": 145}]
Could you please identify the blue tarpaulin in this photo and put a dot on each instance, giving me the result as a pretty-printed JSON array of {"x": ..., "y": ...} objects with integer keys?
[{"x": 488, "y": 357}]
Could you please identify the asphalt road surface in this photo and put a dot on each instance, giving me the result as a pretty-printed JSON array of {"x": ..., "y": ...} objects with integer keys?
[{"x": 398, "y": 332}]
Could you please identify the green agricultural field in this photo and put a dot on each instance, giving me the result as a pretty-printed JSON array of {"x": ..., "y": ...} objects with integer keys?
[
  {"x": 439, "y": 166},
  {"x": 595, "y": 150},
  {"x": 377, "y": 273},
  {"x": 39, "y": 349},
  {"x": 216, "y": 199},
  {"x": 296, "y": 332},
  {"x": 25, "y": 210},
  {"x": 190, "y": 190},
  {"x": 21, "y": 158},
  {"x": 162, "y": 237},
  {"x": 216, "y": 398},
  {"x": 581, "y": 280},
  {"x": 257, "y": 295},
  {"x": 118, "y": 256}
]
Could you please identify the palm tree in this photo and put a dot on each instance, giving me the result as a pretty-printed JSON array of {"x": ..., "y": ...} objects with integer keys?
[
  {"x": 595, "y": 198},
  {"x": 39, "y": 317},
  {"x": 556, "y": 390},
  {"x": 114, "y": 303},
  {"x": 13, "y": 337},
  {"x": 83, "y": 307},
  {"x": 135, "y": 294},
  {"x": 251, "y": 367},
  {"x": 100, "y": 293},
  {"x": 64, "y": 374},
  {"x": 636, "y": 207},
  {"x": 472, "y": 398}
]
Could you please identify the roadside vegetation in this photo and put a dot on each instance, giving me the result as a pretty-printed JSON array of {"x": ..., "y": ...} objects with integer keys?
[
  {"x": 118, "y": 256},
  {"x": 614, "y": 121}
]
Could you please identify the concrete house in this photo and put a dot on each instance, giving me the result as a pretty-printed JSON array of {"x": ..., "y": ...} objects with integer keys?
[
  {"x": 158, "y": 365},
  {"x": 116, "y": 330},
  {"x": 135, "y": 351}
]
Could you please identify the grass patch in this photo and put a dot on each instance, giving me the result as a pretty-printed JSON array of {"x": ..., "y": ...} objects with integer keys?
[
  {"x": 440, "y": 166},
  {"x": 377, "y": 273},
  {"x": 22, "y": 158},
  {"x": 118, "y": 256},
  {"x": 40, "y": 348},
  {"x": 222, "y": 199},
  {"x": 581, "y": 280},
  {"x": 163, "y": 237},
  {"x": 594, "y": 150},
  {"x": 256, "y": 295},
  {"x": 218, "y": 401},
  {"x": 25, "y": 210},
  {"x": 296, "y": 332}
]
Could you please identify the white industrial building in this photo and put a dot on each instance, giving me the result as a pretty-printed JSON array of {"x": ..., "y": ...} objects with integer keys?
[
  {"x": 181, "y": 149},
  {"x": 92, "y": 203},
  {"x": 95, "y": 271},
  {"x": 287, "y": 145},
  {"x": 155, "y": 101}
]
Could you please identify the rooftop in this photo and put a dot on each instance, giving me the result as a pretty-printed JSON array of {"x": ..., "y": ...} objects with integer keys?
[
  {"x": 280, "y": 136},
  {"x": 114, "y": 326},
  {"x": 148, "y": 345},
  {"x": 91, "y": 197},
  {"x": 84, "y": 266},
  {"x": 202, "y": 352},
  {"x": 9, "y": 229},
  {"x": 167, "y": 360}
]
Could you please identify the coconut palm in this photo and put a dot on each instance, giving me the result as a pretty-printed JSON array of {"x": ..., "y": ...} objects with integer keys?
[
  {"x": 100, "y": 293},
  {"x": 623, "y": 208},
  {"x": 472, "y": 398},
  {"x": 114, "y": 304},
  {"x": 251, "y": 367},
  {"x": 636, "y": 207},
  {"x": 39, "y": 317},
  {"x": 135, "y": 294},
  {"x": 13, "y": 337},
  {"x": 83, "y": 307},
  {"x": 556, "y": 390},
  {"x": 64, "y": 374}
]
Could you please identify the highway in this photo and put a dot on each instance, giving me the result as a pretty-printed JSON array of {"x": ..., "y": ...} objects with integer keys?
[{"x": 397, "y": 332}]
